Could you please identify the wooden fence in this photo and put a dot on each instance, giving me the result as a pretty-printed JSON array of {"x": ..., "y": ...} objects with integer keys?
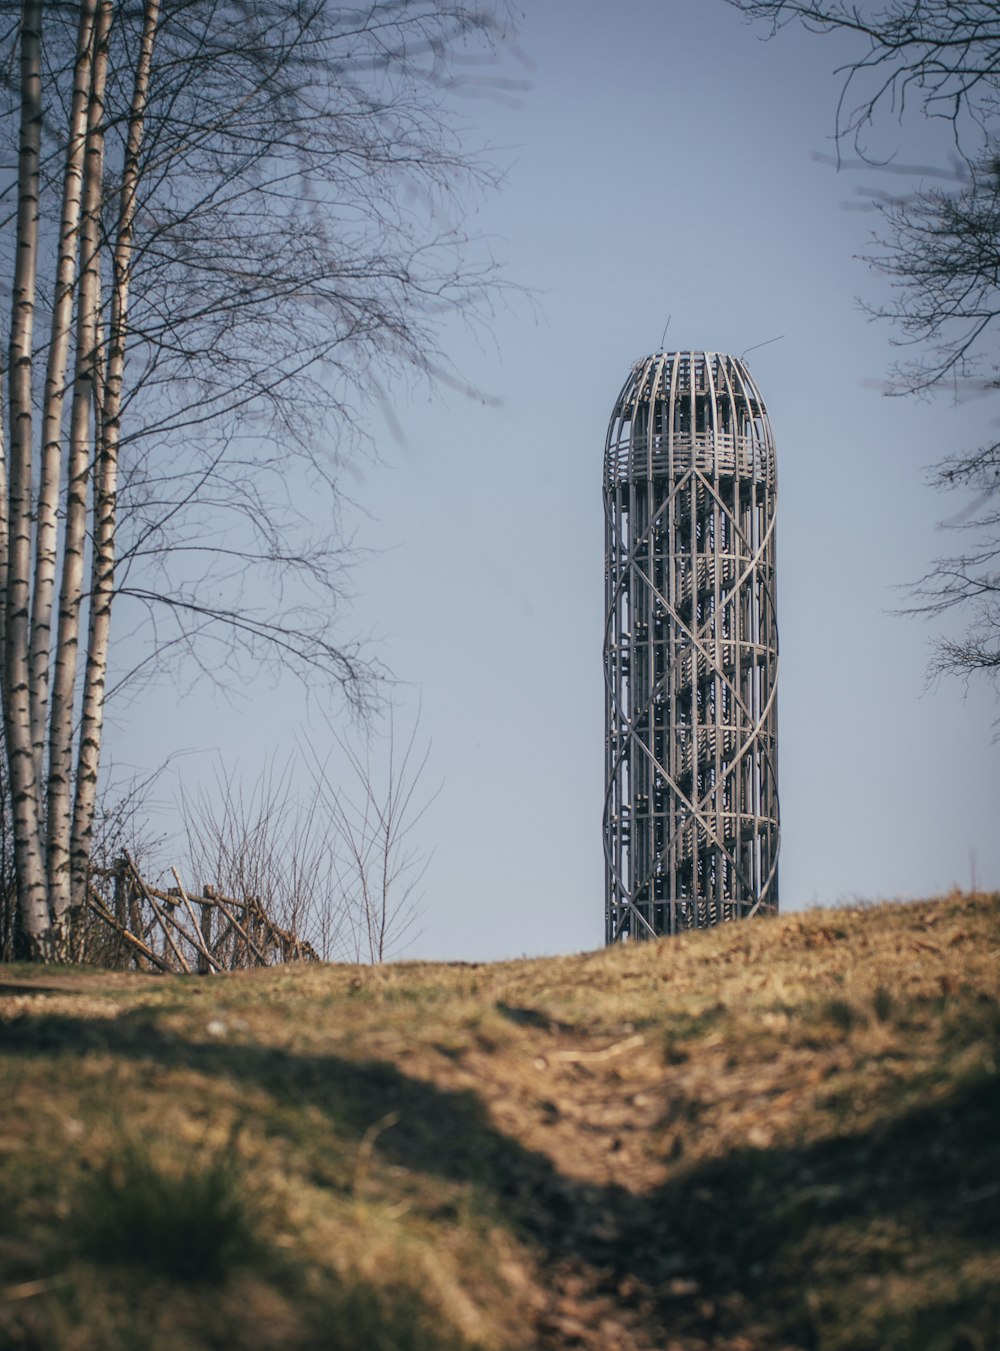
[{"x": 179, "y": 931}]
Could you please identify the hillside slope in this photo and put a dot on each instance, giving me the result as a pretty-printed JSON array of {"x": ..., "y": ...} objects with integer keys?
[{"x": 781, "y": 1134}]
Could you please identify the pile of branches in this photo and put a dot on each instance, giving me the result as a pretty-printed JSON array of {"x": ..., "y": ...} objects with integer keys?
[{"x": 134, "y": 924}]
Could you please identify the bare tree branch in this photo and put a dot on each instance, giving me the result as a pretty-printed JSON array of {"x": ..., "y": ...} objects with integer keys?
[{"x": 940, "y": 249}]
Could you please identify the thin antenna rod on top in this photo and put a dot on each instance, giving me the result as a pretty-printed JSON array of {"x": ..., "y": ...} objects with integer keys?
[
  {"x": 665, "y": 327},
  {"x": 766, "y": 343}
]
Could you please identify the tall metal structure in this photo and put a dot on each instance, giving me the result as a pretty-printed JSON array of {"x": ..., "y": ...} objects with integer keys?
[{"x": 690, "y": 649}]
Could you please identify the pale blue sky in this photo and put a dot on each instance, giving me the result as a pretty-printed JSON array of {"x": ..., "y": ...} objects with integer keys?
[{"x": 659, "y": 166}]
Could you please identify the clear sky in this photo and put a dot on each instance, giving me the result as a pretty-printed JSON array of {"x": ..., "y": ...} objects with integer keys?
[{"x": 660, "y": 167}]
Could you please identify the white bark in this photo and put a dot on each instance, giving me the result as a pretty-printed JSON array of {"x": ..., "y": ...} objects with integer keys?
[
  {"x": 106, "y": 476},
  {"x": 86, "y": 391},
  {"x": 46, "y": 539},
  {"x": 17, "y": 699}
]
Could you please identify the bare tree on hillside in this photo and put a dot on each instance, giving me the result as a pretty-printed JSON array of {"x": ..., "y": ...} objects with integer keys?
[
  {"x": 231, "y": 223},
  {"x": 336, "y": 863},
  {"x": 264, "y": 840},
  {"x": 940, "y": 248},
  {"x": 378, "y": 867}
]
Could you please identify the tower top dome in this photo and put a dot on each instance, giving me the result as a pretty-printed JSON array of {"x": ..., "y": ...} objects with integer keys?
[{"x": 680, "y": 410}]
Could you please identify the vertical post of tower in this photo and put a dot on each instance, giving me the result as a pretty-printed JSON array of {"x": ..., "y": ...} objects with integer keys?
[{"x": 691, "y": 827}]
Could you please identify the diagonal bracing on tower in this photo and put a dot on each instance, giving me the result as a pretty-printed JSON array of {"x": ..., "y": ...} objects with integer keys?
[{"x": 691, "y": 827}]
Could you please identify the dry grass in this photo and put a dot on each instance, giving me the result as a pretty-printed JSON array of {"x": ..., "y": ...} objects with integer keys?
[{"x": 782, "y": 1134}]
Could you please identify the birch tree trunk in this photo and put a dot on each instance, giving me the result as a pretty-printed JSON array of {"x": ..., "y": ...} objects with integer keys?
[
  {"x": 106, "y": 474},
  {"x": 86, "y": 393},
  {"x": 46, "y": 540},
  {"x": 17, "y": 694}
]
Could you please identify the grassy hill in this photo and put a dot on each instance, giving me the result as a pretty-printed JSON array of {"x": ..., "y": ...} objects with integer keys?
[{"x": 781, "y": 1134}]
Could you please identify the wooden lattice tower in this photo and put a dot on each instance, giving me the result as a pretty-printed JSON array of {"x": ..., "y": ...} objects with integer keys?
[{"x": 690, "y": 649}]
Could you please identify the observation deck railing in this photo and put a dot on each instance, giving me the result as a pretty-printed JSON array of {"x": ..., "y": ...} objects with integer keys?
[{"x": 728, "y": 455}]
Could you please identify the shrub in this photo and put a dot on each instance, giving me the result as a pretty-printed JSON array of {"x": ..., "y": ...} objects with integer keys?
[{"x": 195, "y": 1225}]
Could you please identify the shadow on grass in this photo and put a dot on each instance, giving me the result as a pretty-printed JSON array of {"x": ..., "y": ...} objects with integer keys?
[
  {"x": 441, "y": 1133},
  {"x": 796, "y": 1245},
  {"x": 871, "y": 1239}
]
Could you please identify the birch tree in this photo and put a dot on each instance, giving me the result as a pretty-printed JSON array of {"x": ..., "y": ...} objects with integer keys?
[{"x": 232, "y": 224}]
